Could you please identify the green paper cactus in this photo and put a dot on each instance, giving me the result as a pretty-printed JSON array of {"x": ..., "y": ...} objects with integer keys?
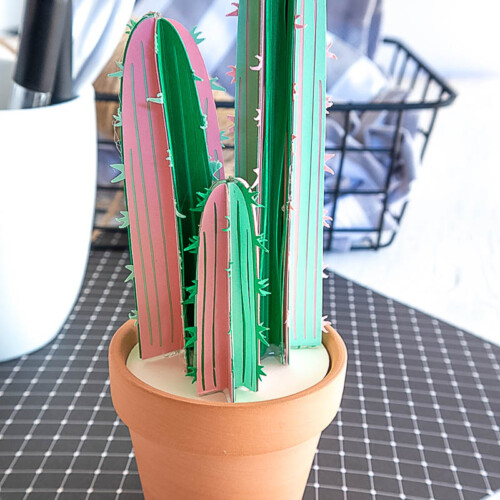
[
  {"x": 225, "y": 270},
  {"x": 228, "y": 287}
]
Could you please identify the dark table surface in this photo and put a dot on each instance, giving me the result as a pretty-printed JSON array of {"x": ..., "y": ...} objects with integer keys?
[{"x": 419, "y": 418}]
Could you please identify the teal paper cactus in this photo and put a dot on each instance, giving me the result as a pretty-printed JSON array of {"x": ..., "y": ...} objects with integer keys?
[
  {"x": 228, "y": 270},
  {"x": 228, "y": 291}
]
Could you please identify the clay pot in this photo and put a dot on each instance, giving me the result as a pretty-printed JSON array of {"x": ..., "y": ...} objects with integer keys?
[{"x": 188, "y": 449}]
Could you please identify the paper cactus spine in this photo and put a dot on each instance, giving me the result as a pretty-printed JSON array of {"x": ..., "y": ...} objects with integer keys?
[
  {"x": 227, "y": 327},
  {"x": 304, "y": 287},
  {"x": 150, "y": 199}
]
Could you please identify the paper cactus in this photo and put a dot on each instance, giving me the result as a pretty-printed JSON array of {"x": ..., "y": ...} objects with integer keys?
[
  {"x": 226, "y": 270},
  {"x": 287, "y": 39},
  {"x": 305, "y": 228},
  {"x": 228, "y": 290}
]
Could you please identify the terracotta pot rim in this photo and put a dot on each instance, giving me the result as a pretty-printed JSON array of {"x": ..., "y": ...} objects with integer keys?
[{"x": 331, "y": 340}]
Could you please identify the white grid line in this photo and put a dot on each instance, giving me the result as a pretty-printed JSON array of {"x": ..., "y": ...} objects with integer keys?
[
  {"x": 390, "y": 476},
  {"x": 338, "y": 419},
  {"x": 388, "y": 414},
  {"x": 109, "y": 331},
  {"x": 55, "y": 345},
  {"x": 125, "y": 472},
  {"x": 477, "y": 378},
  {"x": 411, "y": 447},
  {"x": 437, "y": 408},
  {"x": 472, "y": 439},
  {"x": 103, "y": 456},
  {"x": 364, "y": 424}
]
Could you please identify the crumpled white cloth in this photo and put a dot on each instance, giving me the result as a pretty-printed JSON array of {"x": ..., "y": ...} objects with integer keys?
[{"x": 368, "y": 171}]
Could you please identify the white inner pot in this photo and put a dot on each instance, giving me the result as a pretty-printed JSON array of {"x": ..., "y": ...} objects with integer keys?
[
  {"x": 168, "y": 373},
  {"x": 48, "y": 178}
]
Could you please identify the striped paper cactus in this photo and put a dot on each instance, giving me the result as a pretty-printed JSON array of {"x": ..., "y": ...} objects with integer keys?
[
  {"x": 305, "y": 233},
  {"x": 165, "y": 166},
  {"x": 151, "y": 201},
  {"x": 227, "y": 323}
]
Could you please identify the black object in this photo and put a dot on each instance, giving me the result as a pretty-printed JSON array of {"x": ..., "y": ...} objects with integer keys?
[
  {"x": 408, "y": 73},
  {"x": 41, "y": 38},
  {"x": 63, "y": 85}
]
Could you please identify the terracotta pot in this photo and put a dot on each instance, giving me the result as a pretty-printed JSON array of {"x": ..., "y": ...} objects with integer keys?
[{"x": 188, "y": 449}]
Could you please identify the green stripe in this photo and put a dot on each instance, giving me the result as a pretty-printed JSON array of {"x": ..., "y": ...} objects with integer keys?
[
  {"x": 140, "y": 247},
  {"x": 238, "y": 233},
  {"x": 215, "y": 290},
  {"x": 204, "y": 306},
  {"x": 159, "y": 203},
  {"x": 251, "y": 304}
]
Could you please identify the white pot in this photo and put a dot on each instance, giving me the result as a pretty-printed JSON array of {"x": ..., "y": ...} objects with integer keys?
[{"x": 47, "y": 195}]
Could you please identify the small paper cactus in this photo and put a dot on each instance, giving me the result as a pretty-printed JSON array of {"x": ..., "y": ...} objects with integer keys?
[
  {"x": 225, "y": 272},
  {"x": 227, "y": 321}
]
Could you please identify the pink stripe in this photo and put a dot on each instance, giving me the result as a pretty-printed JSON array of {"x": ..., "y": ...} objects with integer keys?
[
  {"x": 262, "y": 103},
  {"x": 237, "y": 125},
  {"x": 247, "y": 69},
  {"x": 319, "y": 222},
  {"x": 298, "y": 169}
]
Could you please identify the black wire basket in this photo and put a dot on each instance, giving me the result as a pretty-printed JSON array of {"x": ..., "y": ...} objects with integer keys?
[{"x": 424, "y": 92}]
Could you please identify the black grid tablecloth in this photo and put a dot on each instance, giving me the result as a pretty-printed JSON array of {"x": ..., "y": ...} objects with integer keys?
[{"x": 419, "y": 417}]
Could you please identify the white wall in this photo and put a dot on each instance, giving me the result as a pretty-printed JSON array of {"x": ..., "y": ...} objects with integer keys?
[
  {"x": 457, "y": 37},
  {"x": 10, "y": 14}
]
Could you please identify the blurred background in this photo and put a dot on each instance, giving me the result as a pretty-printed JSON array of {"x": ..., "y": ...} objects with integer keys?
[
  {"x": 414, "y": 127},
  {"x": 445, "y": 258}
]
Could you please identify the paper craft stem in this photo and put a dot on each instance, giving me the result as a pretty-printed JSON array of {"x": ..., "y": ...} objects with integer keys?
[
  {"x": 276, "y": 159},
  {"x": 305, "y": 233},
  {"x": 150, "y": 199},
  {"x": 220, "y": 269}
]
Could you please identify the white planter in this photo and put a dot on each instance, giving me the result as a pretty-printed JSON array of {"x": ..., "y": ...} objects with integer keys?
[{"x": 48, "y": 181}]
